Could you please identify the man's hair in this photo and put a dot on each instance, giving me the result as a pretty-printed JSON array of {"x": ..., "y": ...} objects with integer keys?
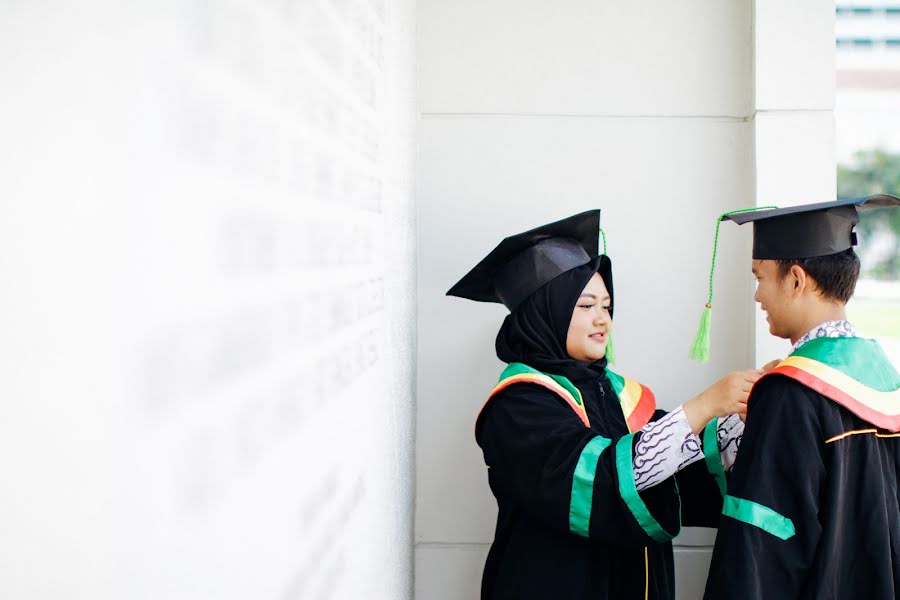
[{"x": 834, "y": 274}]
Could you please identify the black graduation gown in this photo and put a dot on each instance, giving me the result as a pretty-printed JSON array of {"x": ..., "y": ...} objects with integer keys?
[
  {"x": 839, "y": 494},
  {"x": 532, "y": 442}
]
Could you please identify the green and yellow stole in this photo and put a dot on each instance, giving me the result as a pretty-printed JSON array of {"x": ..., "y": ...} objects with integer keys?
[
  {"x": 852, "y": 371},
  {"x": 637, "y": 401}
]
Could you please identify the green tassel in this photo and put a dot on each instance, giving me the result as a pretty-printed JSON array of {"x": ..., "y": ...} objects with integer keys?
[
  {"x": 700, "y": 348},
  {"x": 610, "y": 351}
]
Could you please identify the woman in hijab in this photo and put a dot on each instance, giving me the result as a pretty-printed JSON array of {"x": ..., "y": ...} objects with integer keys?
[{"x": 591, "y": 481}]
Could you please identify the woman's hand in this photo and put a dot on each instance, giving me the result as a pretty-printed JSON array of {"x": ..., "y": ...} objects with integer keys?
[
  {"x": 771, "y": 365},
  {"x": 725, "y": 397}
]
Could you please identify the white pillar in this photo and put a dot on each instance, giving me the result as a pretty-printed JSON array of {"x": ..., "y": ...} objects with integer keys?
[{"x": 794, "y": 117}]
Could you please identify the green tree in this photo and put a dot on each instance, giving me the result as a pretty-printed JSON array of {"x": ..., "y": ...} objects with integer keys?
[{"x": 875, "y": 171}]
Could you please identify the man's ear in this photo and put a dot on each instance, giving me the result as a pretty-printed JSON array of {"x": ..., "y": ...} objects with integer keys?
[{"x": 800, "y": 281}]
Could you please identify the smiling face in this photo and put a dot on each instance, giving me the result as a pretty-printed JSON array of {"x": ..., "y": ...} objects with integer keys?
[
  {"x": 774, "y": 292},
  {"x": 591, "y": 324}
]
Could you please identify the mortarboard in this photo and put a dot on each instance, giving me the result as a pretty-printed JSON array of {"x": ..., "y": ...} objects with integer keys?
[
  {"x": 809, "y": 230},
  {"x": 522, "y": 263}
]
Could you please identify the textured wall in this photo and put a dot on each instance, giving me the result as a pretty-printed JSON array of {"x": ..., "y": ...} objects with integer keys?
[{"x": 207, "y": 323}]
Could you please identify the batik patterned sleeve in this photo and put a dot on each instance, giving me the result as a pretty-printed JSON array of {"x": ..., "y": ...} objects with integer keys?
[
  {"x": 665, "y": 447},
  {"x": 728, "y": 433},
  {"x": 668, "y": 446}
]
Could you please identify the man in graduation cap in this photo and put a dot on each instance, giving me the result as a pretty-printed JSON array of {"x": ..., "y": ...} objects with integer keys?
[
  {"x": 581, "y": 463},
  {"x": 812, "y": 504}
]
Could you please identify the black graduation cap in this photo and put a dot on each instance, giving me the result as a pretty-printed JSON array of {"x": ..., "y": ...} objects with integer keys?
[
  {"x": 808, "y": 230},
  {"x": 522, "y": 263}
]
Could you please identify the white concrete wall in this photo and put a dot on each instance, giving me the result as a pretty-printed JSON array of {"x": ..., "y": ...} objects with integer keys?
[
  {"x": 531, "y": 112},
  {"x": 794, "y": 122},
  {"x": 207, "y": 316}
]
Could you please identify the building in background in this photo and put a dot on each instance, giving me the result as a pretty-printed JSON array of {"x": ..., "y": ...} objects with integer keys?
[
  {"x": 867, "y": 60},
  {"x": 867, "y": 148}
]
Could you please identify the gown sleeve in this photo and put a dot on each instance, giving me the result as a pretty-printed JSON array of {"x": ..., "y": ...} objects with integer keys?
[
  {"x": 542, "y": 460},
  {"x": 703, "y": 484},
  {"x": 770, "y": 529}
]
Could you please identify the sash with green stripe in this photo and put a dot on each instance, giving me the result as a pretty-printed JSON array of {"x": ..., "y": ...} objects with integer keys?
[
  {"x": 852, "y": 371},
  {"x": 636, "y": 400},
  {"x": 521, "y": 373}
]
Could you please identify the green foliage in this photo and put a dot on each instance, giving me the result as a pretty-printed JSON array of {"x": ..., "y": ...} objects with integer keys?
[
  {"x": 875, "y": 171},
  {"x": 872, "y": 172}
]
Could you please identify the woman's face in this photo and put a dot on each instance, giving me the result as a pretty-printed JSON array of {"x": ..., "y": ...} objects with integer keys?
[{"x": 591, "y": 323}]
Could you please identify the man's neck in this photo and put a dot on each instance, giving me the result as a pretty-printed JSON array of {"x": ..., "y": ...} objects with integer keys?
[{"x": 818, "y": 315}]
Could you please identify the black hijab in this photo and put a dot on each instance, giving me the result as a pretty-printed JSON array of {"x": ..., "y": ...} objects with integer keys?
[{"x": 535, "y": 332}]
